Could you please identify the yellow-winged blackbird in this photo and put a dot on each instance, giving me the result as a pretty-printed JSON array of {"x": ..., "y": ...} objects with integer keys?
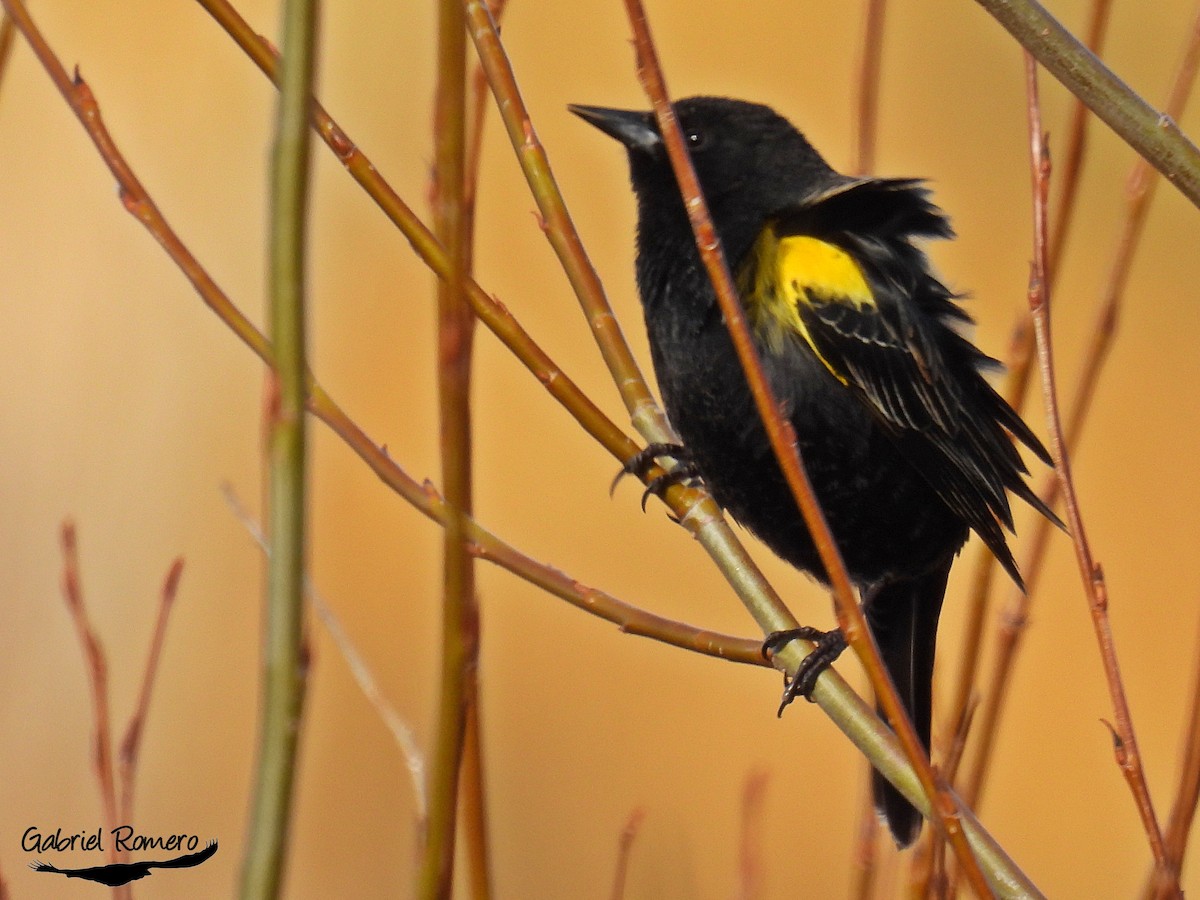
[{"x": 907, "y": 446}]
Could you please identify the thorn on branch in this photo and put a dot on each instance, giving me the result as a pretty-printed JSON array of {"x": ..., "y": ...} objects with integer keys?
[{"x": 1118, "y": 743}]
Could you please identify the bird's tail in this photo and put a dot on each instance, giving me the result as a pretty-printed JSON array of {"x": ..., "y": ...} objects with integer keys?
[{"x": 903, "y": 616}]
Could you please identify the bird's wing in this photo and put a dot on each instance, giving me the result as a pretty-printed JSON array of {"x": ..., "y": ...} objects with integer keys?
[
  {"x": 862, "y": 300},
  {"x": 838, "y": 271},
  {"x": 188, "y": 859}
]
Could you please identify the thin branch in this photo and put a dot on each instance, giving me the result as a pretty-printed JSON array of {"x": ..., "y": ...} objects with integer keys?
[
  {"x": 1155, "y": 136},
  {"x": 1183, "y": 809},
  {"x": 644, "y": 411},
  {"x": 927, "y": 873},
  {"x": 783, "y": 443},
  {"x": 97, "y": 671},
  {"x": 779, "y": 431},
  {"x": 866, "y": 120},
  {"x": 134, "y": 197},
  {"x": 1125, "y": 743},
  {"x": 624, "y": 850},
  {"x": 865, "y": 853},
  {"x": 473, "y": 791},
  {"x": 406, "y": 741},
  {"x": 285, "y": 651},
  {"x": 1019, "y": 369},
  {"x": 96, "y": 665},
  {"x": 752, "y": 870},
  {"x": 1140, "y": 189},
  {"x": 457, "y": 682},
  {"x": 131, "y": 743},
  {"x": 473, "y": 797},
  {"x": 478, "y": 106},
  {"x": 8, "y": 32},
  {"x": 1071, "y": 163}
]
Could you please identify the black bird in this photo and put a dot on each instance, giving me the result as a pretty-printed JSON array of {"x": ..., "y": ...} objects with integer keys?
[
  {"x": 117, "y": 874},
  {"x": 907, "y": 446}
]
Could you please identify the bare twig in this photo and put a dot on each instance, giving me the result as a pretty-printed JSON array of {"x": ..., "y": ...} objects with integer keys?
[
  {"x": 97, "y": 672},
  {"x": 1071, "y": 163},
  {"x": 1019, "y": 368},
  {"x": 285, "y": 653},
  {"x": 1140, "y": 187},
  {"x": 131, "y": 743},
  {"x": 115, "y": 811},
  {"x": 779, "y": 431},
  {"x": 414, "y": 760},
  {"x": 1155, "y": 136},
  {"x": 478, "y": 111},
  {"x": 865, "y": 853},
  {"x": 457, "y": 683},
  {"x": 624, "y": 849},
  {"x": 866, "y": 120},
  {"x": 928, "y": 873},
  {"x": 1183, "y": 809},
  {"x": 1125, "y": 742},
  {"x": 752, "y": 872},
  {"x": 560, "y": 231},
  {"x": 7, "y": 33}
]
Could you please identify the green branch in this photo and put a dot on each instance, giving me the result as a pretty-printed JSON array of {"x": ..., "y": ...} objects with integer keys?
[
  {"x": 1154, "y": 135},
  {"x": 285, "y": 662}
]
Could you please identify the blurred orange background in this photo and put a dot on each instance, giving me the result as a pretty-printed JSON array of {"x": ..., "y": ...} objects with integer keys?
[{"x": 126, "y": 404}]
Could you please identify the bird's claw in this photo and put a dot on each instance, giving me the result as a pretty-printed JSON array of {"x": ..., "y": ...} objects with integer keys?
[
  {"x": 829, "y": 646},
  {"x": 640, "y": 461}
]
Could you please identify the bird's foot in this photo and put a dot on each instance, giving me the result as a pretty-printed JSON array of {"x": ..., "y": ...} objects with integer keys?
[
  {"x": 684, "y": 471},
  {"x": 829, "y": 646}
]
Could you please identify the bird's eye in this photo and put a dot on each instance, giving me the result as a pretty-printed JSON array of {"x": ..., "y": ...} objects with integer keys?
[{"x": 696, "y": 139}]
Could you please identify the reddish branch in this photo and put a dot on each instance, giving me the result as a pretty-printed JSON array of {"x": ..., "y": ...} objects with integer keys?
[
  {"x": 866, "y": 121},
  {"x": 97, "y": 672},
  {"x": 1183, "y": 810},
  {"x": 752, "y": 878},
  {"x": 1140, "y": 189},
  {"x": 1125, "y": 742},
  {"x": 624, "y": 850},
  {"x": 131, "y": 743},
  {"x": 1019, "y": 366},
  {"x": 96, "y": 664}
]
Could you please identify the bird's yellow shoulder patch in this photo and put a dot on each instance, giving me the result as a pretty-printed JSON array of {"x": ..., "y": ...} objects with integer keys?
[
  {"x": 822, "y": 268},
  {"x": 785, "y": 274}
]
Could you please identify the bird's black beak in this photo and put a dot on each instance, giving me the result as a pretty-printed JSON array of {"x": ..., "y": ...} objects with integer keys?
[{"x": 635, "y": 129}]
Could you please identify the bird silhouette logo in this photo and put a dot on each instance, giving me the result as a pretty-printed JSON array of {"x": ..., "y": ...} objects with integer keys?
[{"x": 117, "y": 874}]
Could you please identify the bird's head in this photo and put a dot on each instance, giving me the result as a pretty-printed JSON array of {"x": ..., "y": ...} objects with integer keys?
[{"x": 750, "y": 160}]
